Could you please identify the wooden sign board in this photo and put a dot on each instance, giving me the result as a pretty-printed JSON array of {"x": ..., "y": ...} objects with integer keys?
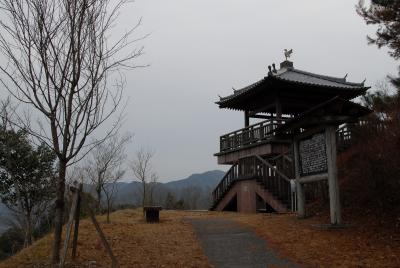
[
  {"x": 315, "y": 160},
  {"x": 312, "y": 155}
]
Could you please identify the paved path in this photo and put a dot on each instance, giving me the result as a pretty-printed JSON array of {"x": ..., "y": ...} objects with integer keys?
[{"x": 227, "y": 244}]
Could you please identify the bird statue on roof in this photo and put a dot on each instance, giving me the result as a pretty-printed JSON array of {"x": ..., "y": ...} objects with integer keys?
[{"x": 288, "y": 53}]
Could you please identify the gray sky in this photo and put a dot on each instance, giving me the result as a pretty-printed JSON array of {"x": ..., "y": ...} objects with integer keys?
[{"x": 198, "y": 49}]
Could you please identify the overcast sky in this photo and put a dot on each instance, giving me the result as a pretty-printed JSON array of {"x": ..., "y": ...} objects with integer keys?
[{"x": 199, "y": 49}]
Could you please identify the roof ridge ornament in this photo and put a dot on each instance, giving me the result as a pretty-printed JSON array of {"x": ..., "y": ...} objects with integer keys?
[
  {"x": 270, "y": 70},
  {"x": 274, "y": 68},
  {"x": 288, "y": 53}
]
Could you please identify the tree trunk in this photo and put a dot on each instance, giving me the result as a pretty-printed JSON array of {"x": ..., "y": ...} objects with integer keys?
[
  {"x": 59, "y": 213},
  {"x": 144, "y": 196},
  {"x": 98, "y": 192},
  {"x": 108, "y": 212},
  {"x": 28, "y": 230}
]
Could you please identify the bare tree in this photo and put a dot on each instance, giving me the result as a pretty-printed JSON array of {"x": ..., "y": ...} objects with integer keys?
[
  {"x": 110, "y": 190},
  {"x": 192, "y": 195},
  {"x": 58, "y": 60},
  {"x": 104, "y": 166},
  {"x": 142, "y": 170},
  {"x": 152, "y": 186}
]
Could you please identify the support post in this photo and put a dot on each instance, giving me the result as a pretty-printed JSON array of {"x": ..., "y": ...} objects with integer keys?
[
  {"x": 278, "y": 110},
  {"x": 69, "y": 224},
  {"x": 246, "y": 119},
  {"x": 114, "y": 262},
  {"x": 334, "y": 197},
  {"x": 301, "y": 211}
]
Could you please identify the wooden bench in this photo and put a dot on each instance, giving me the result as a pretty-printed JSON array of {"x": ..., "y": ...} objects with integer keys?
[{"x": 152, "y": 213}]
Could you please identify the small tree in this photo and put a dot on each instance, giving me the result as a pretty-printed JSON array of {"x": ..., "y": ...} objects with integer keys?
[
  {"x": 170, "y": 201},
  {"x": 152, "y": 186},
  {"x": 111, "y": 189},
  {"x": 26, "y": 178},
  {"x": 104, "y": 165},
  {"x": 58, "y": 59},
  {"x": 192, "y": 195},
  {"x": 142, "y": 170}
]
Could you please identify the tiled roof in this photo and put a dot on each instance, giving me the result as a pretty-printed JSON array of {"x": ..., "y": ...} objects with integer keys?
[{"x": 300, "y": 77}]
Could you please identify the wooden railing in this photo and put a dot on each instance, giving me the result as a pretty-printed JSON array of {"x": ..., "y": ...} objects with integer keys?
[
  {"x": 230, "y": 176},
  {"x": 276, "y": 180},
  {"x": 349, "y": 133},
  {"x": 273, "y": 174},
  {"x": 249, "y": 135}
]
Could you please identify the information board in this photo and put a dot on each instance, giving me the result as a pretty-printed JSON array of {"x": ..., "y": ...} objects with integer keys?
[{"x": 312, "y": 155}]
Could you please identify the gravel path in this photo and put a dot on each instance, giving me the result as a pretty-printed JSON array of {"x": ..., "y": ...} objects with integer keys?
[{"x": 227, "y": 244}]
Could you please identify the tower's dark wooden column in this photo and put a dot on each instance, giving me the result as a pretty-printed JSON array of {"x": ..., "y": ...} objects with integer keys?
[{"x": 246, "y": 119}]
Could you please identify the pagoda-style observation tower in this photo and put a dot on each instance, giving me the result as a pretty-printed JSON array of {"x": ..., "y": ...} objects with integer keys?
[{"x": 261, "y": 176}]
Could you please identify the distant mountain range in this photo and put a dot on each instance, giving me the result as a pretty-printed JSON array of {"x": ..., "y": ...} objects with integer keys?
[{"x": 193, "y": 192}]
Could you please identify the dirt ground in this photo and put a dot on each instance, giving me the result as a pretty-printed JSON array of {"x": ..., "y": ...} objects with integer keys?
[{"x": 172, "y": 242}]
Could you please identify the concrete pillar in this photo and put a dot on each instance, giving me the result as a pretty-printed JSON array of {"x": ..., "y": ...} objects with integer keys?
[
  {"x": 301, "y": 200},
  {"x": 334, "y": 198},
  {"x": 246, "y": 197}
]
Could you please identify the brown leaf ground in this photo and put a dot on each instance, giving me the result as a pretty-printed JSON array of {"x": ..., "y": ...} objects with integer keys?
[
  {"x": 172, "y": 243},
  {"x": 361, "y": 244}
]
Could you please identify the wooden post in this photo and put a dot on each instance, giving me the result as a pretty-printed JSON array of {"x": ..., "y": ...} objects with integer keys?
[
  {"x": 103, "y": 238},
  {"x": 76, "y": 229},
  {"x": 246, "y": 119},
  {"x": 72, "y": 214},
  {"x": 334, "y": 197},
  {"x": 278, "y": 110},
  {"x": 301, "y": 211}
]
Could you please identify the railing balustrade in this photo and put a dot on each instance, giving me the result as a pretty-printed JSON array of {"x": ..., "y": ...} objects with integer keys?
[{"x": 249, "y": 135}]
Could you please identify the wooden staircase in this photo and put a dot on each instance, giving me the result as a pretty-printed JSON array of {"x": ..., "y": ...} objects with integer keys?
[{"x": 273, "y": 176}]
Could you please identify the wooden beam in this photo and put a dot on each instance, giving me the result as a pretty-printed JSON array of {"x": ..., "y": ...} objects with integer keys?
[
  {"x": 260, "y": 116},
  {"x": 262, "y": 109},
  {"x": 114, "y": 261},
  {"x": 314, "y": 178}
]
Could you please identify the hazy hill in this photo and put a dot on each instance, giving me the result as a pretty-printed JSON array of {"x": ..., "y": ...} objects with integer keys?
[
  {"x": 198, "y": 186},
  {"x": 194, "y": 190},
  {"x": 203, "y": 180}
]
